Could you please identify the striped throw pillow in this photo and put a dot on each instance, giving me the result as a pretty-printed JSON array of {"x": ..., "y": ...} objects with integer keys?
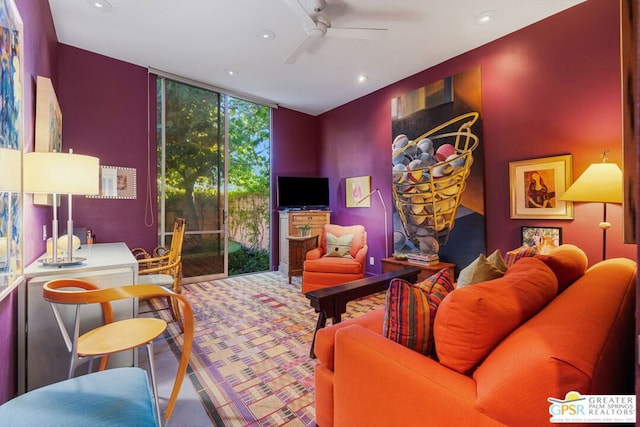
[{"x": 410, "y": 310}]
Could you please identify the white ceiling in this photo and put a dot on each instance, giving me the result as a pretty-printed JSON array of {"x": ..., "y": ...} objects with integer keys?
[{"x": 202, "y": 39}]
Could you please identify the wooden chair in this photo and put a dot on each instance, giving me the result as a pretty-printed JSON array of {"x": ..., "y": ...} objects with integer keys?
[
  {"x": 116, "y": 336},
  {"x": 164, "y": 267}
]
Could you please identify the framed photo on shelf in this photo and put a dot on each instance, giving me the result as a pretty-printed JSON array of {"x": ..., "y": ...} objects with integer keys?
[
  {"x": 536, "y": 185},
  {"x": 534, "y": 236}
]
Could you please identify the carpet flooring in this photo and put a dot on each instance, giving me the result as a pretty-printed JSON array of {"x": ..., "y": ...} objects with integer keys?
[{"x": 250, "y": 363}]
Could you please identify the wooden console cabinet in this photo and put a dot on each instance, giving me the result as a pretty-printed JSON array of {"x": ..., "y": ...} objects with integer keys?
[
  {"x": 290, "y": 223},
  {"x": 392, "y": 264}
]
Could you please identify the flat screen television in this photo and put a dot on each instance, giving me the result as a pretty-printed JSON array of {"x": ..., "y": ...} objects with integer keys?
[{"x": 301, "y": 192}]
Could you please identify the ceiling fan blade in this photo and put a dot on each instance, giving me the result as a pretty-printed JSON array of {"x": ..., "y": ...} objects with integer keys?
[
  {"x": 357, "y": 33},
  {"x": 307, "y": 21},
  {"x": 298, "y": 51}
]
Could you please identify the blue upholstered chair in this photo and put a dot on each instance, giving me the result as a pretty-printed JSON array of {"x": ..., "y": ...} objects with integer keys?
[{"x": 114, "y": 397}]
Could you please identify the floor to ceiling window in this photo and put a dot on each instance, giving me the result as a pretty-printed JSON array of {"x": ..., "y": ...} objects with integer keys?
[{"x": 213, "y": 170}]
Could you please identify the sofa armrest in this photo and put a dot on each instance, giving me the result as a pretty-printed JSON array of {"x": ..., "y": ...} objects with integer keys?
[{"x": 379, "y": 382}]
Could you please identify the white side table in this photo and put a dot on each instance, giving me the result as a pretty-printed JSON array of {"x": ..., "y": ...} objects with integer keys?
[{"x": 42, "y": 355}]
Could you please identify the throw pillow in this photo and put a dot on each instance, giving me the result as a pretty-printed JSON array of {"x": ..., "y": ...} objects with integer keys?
[
  {"x": 497, "y": 260},
  {"x": 480, "y": 270},
  {"x": 410, "y": 310},
  {"x": 568, "y": 262},
  {"x": 339, "y": 246},
  {"x": 519, "y": 253},
  {"x": 471, "y": 321}
]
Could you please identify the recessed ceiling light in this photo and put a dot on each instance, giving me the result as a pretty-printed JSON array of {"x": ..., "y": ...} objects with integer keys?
[
  {"x": 268, "y": 34},
  {"x": 485, "y": 16},
  {"x": 101, "y": 5},
  {"x": 230, "y": 72},
  {"x": 362, "y": 78}
]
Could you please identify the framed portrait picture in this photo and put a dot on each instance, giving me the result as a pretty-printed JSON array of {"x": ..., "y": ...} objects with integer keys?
[
  {"x": 356, "y": 188},
  {"x": 536, "y": 186},
  {"x": 534, "y": 236}
]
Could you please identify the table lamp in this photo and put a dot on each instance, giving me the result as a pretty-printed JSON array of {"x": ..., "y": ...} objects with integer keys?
[
  {"x": 61, "y": 173},
  {"x": 384, "y": 207},
  {"x": 601, "y": 183},
  {"x": 9, "y": 183}
]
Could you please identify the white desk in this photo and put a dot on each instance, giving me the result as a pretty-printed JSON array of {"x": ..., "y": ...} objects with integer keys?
[{"x": 42, "y": 355}]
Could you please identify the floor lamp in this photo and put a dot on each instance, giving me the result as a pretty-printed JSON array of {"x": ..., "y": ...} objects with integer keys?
[
  {"x": 601, "y": 183},
  {"x": 61, "y": 173},
  {"x": 384, "y": 207}
]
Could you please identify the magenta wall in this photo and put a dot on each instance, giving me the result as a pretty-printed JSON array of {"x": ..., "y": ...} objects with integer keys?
[
  {"x": 104, "y": 114},
  {"x": 551, "y": 88},
  {"x": 295, "y": 151},
  {"x": 40, "y": 58}
]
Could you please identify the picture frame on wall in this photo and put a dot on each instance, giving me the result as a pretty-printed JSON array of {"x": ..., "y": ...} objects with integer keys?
[
  {"x": 48, "y": 129},
  {"x": 11, "y": 145},
  {"x": 534, "y": 236},
  {"x": 356, "y": 188},
  {"x": 117, "y": 183},
  {"x": 535, "y": 187}
]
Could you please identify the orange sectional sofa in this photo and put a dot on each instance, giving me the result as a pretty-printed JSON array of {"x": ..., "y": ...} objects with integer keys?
[{"x": 581, "y": 340}]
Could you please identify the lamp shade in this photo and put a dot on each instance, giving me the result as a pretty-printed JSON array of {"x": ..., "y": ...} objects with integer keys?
[
  {"x": 61, "y": 173},
  {"x": 601, "y": 182},
  {"x": 10, "y": 170}
]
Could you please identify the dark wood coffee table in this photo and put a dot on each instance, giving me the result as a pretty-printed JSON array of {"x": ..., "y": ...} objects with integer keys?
[{"x": 332, "y": 302}]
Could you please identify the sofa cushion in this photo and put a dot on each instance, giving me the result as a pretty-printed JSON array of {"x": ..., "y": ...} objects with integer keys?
[
  {"x": 472, "y": 320},
  {"x": 522, "y": 252},
  {"x": 411, "y": 308},
  {"x": 568, "y": 262},
  {"x": 339, "y": 246},
  {"x": 480, "y": 270},
  {"x": 498, "y": 261}
]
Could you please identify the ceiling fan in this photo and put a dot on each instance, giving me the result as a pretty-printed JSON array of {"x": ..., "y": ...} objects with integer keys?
[{"x": 317, "y": 26}]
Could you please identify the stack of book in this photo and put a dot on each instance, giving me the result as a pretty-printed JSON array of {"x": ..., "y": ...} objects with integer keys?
[{"x": 426, "y": 259}]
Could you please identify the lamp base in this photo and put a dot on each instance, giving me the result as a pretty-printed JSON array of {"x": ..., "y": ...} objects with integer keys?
[{"x": 49, "y": 262}]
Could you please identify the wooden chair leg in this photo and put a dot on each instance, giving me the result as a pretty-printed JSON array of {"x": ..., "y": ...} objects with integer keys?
[{"x": 175, "y": 313}]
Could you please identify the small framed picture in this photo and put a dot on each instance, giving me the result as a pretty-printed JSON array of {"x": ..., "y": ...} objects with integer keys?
[
  {"x": 356, "y": 188},
  {"x": 117, "y": 183},
  {"x": 536, "y": 186},
  {"x": 534, "y": 236}
]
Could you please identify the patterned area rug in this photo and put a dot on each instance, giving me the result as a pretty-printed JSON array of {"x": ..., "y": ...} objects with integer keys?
[{"x": 250, "y": 361}]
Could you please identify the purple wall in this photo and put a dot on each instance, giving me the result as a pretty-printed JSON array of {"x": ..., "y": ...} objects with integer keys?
[
  {"x": 104, "y": 111},
  {"x": 40, "y": 58},
  {"x": 295, "y": 150},
  {"x": 551, "y": 88}
]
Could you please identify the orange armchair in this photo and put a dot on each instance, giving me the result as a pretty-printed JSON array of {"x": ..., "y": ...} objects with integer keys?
[{"x": 337, "y": 259}]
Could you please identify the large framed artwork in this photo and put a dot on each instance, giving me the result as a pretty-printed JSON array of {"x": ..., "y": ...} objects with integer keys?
[
  {"x": 536, "y": 185},
  {"x": 11, "y": 143},
  {"x": 437, "y": 169},
  {"x": 48, "y": 131}
]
